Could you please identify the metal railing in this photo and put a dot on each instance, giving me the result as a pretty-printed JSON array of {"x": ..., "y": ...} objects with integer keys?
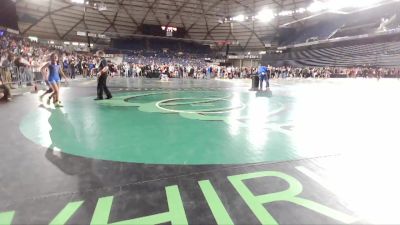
[{"x": 20, "y": 76}]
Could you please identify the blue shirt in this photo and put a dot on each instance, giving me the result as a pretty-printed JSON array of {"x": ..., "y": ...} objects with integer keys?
[
  {"x": 54, "y": 72},
  {"x": 65, "y": 63},
  {"x": 262, "y": 70}
]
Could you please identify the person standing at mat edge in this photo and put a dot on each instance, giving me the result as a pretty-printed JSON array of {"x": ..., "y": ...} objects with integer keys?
[
  {"x": 264, "y": 76},
  {"x": 5, "y": 90},
  {"x": 102, "y": 77}
]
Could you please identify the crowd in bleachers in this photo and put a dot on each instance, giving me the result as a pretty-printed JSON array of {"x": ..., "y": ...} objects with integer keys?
[
  {"x": 331, "y": 72},
  {"x": 20, "y": 52},
  {"x": 230, "y": 72},
  {"x": 177, "y": 64},
  {"x": 176, "y": 70},
  {"x": 30, "y": 55},
  {"x": 21, "y": 59}
]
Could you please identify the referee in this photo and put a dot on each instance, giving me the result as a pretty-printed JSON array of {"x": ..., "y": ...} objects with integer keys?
[{"x": 102, "y": 77}]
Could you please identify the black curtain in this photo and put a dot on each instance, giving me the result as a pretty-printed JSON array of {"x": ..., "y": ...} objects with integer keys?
[{"x": 8, "y": 14}]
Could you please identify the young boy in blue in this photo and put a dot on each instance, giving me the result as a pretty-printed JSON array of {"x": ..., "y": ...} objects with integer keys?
[{"x": 264, "y": 76}]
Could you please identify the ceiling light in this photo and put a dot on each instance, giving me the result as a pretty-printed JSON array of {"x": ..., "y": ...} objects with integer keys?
[
  {"x": 81, "y": 33},
  {"x": 239, "y": 18},
  {"x": 300, "y": 10},
  {"x": 33, "y": 38},
  {"x": 265, "y": 15},
  {"x": 92, "y": 35},
  {"x": 286, "y": 13},
  {"x": 342, "y": 4},
  {"x": 101, "y": 6},
  {"x": 78, "y": 1},
  {"x": 333, "y": 5},
  {"x": 317, "y": 6}
]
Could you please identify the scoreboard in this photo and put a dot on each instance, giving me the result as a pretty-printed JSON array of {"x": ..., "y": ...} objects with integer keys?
[
  {"x": 169, "y": 30},
  {"x": 163, "y": 31}
]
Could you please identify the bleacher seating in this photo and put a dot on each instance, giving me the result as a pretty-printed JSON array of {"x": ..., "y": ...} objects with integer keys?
[
  {"x": 358, "y": 26},
  {"x": 320, "y": 31},
  {"x": 157, "y": 44},
  {"x": 386, "y": 54},
  {"x": 346, "y": 25},
  {"x": 395, "y": 23},
  {"x": 132, "y": 44}
]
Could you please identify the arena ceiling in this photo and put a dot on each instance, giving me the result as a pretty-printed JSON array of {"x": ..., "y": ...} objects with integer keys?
[{"x": 61, "y": 19}]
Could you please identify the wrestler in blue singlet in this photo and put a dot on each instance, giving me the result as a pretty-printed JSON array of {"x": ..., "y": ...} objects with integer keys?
[{"x": 54, "y": 76}]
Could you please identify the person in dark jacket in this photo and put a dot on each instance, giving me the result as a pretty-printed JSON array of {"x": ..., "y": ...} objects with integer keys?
[
  {"x": 102, "y": 77},
  {"x": 6, "y": 91}
]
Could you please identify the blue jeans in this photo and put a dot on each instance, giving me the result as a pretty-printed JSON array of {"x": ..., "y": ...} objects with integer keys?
[{"x": 264, "y": 78}]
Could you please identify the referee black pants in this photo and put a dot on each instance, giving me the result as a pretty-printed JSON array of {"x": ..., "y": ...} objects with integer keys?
[{"x": 102, "y": 86}]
